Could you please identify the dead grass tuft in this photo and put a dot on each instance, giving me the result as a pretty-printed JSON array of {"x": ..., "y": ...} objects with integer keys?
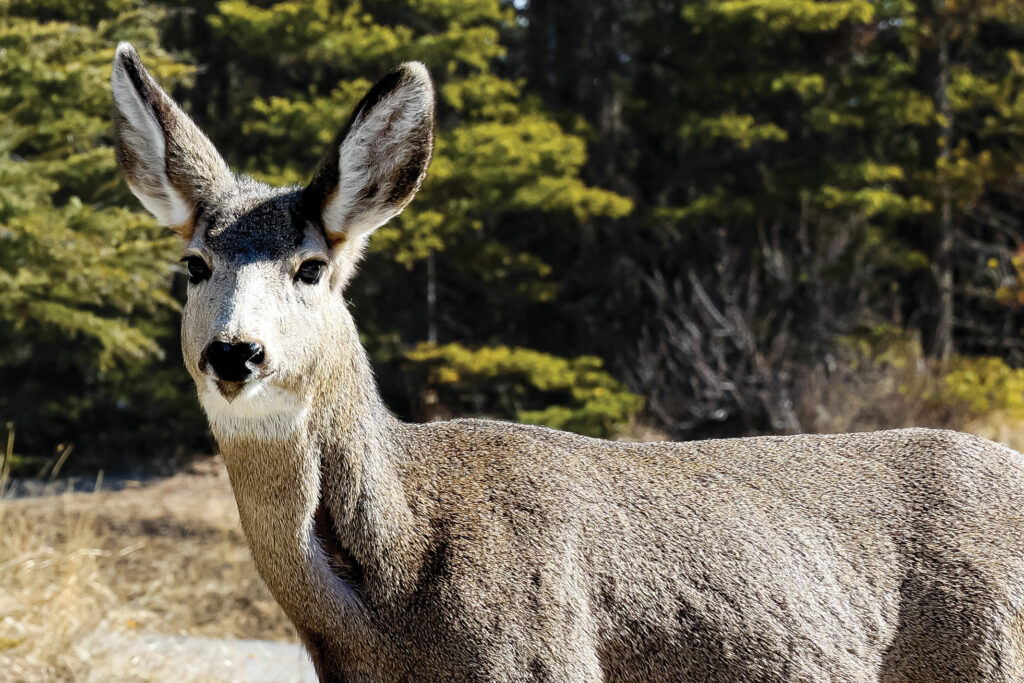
[
  {"x": 858, "y": 399},
  {"x": 54, "y": 592},
  {"x": 80, "y": 568},
  {"x": 999, "y": 427}
]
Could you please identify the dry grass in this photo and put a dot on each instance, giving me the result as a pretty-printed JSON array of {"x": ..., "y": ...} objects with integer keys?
[
  {"x": 80, "y": 570},
  {"x": 638, "y": 430},
  {"x": 998, "y": 427},
  {"x": 857, "y": 399}
]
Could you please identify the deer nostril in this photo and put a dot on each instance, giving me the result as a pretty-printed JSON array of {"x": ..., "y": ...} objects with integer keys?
[
  {"x": 257, "y": 354},
  {"x": 231, "y": 361}
]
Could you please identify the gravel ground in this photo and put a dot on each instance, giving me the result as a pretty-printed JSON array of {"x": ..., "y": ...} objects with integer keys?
[{"x": 189, "y": 659}]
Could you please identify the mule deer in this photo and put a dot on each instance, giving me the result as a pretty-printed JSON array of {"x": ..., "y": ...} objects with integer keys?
[{"x": 484, "y": 550}]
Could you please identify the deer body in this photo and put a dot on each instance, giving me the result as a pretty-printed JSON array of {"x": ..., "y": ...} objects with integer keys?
[{"x": 484, "y": 550}]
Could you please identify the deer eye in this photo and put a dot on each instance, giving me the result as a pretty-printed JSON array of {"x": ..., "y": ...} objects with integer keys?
[
  {"x": 197, "y": 269},
  {"x": 310, "y": 271}
]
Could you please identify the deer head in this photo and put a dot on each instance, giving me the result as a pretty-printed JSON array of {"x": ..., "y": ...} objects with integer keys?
[{"x": 265, "y": 318}]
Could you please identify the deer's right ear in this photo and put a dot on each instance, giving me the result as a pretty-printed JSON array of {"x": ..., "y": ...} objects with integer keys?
[
  {"x": 167, "y": 161},
  {"x": 377, "y": 163}
]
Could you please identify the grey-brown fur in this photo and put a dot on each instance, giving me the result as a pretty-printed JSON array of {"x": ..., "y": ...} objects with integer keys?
[{"x": 482, "y": 550}]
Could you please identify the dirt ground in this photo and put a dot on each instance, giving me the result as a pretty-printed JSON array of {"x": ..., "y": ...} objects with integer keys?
[{"x": 165, "y": 558}]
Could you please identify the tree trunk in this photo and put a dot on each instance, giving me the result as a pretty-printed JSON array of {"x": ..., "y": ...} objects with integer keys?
[
  {"x": 431, "y": 298},
  {"x": 942, "y": 346}
]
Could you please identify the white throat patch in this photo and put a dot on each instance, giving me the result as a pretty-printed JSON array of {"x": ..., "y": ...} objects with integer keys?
[{"x": 261, "y": 411}]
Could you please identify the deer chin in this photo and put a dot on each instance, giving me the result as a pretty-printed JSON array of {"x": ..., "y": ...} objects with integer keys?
[{"x": 255, "y": 409}]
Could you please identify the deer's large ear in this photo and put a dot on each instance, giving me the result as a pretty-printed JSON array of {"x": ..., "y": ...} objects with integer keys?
[
  {"x": 380, "y": 158},
  {"x": 167, "y": 161}
]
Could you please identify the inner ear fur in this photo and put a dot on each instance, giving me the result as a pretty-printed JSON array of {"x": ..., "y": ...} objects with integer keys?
[{"x": 378, "y": 161}]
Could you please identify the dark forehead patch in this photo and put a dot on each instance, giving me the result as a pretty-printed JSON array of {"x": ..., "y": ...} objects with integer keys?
[{"x": 256, "y": 228}]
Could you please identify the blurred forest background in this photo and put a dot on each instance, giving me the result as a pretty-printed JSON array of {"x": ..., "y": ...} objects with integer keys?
[{"x": 679, "y": 218}]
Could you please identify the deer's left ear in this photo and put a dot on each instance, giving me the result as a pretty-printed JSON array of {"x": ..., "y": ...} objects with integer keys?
[{"x": 376, "y": 165}]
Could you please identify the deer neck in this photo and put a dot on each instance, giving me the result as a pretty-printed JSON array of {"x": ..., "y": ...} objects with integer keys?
[{"x": 333, "y": 470}]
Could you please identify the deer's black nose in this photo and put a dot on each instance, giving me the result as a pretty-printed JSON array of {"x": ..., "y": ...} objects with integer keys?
[{"x": 234, "y": 362}]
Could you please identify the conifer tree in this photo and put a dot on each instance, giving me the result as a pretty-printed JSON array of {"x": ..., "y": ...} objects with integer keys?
[
  {"x": 812, "y": 154},
  {"x": 84, "y": 282}
]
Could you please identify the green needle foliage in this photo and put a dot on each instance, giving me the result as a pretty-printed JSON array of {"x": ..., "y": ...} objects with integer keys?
[
  {"x": 497, "y": 153},
  {"x": 86, "y": 309},
  {"x": 521, "y": 384},
  {"x": 799, "y": 167},
  {"x": 710, "y": 197}
]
